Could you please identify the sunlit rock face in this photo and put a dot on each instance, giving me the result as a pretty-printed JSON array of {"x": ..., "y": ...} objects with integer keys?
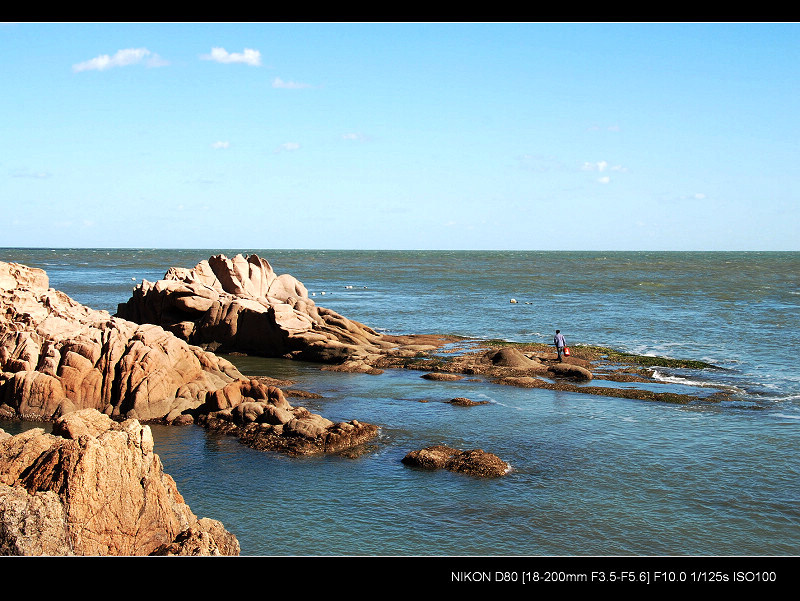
[
  {"x": 58, "y": 356},
  {"x": 241, "y": 304}
]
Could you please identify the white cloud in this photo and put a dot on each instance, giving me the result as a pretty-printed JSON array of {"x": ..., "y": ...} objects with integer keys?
[
  {"x": 601, "y": 166},
  {"x": 122, "y": 58},
  {"x": 288, "y": 85},
  {"x": 289, "y": 146},
  {"x": 248, "y": 57},
  {"x": 604, "y": 180},
  {"x": 598, "y": 166},
  {"x": 221, "y": 144},
  {"x": 354, "y": 136}
]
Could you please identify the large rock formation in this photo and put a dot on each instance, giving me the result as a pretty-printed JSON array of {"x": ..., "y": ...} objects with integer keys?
[
  {"x": 95, "y": 487},
  {"x": 57, "y": 356},
  {"x": 240, "y": 304}
]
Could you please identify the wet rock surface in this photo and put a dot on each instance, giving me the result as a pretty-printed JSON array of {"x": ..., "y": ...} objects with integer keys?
[
  {"x": 475, "y": 462},
  {"x": 464, "y": 402},
  {"x": 261, "y": 417}
]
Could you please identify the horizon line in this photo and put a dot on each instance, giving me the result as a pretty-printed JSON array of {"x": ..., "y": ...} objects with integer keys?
[{"x": 253, "y": 249}]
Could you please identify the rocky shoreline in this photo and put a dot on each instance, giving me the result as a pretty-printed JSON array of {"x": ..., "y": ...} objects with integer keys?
[{"x": 100, "y": 378}]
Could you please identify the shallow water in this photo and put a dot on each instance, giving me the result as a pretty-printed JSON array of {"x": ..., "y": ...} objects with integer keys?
[{"x": 590, "y": 475}]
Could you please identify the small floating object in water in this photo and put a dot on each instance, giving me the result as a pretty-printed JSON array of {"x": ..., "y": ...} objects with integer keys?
[{"x": 513, "y": 301}]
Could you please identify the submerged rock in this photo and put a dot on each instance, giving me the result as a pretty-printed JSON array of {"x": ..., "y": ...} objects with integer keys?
[
  {"x": 95, "y": 487},
  {"x": 474, "y": 463},
  {"x": 463, "y": 402}
]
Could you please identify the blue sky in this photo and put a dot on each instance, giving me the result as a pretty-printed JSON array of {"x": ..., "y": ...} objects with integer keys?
[{"x": 540, "y": 136}]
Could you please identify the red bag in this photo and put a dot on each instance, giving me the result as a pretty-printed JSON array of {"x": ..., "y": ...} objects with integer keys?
[{"x": 566, "y": 351}]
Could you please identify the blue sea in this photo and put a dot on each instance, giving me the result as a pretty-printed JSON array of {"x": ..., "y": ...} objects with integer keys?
[{"x": 591, "y": 475}]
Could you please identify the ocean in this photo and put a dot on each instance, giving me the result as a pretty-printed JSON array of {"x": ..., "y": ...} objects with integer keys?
[{"x": 591, "y": 475}]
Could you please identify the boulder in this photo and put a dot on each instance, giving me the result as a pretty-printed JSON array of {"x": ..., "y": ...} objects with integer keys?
[
  {"x": 510, "y": 357},
  {"x": 474, "y": 463},
  {"x": 569, "y": 370},
  {"x": 242, "y": 305},
  {"x": 95, "y": 487}
]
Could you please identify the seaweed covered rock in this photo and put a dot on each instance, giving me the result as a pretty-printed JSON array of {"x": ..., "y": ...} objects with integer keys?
[
  {"x": 95, "y": 487},
  {"x": 261, "y": 417},
  {"x": 476, "y": 462},
  {"x": 57, "y": 356}
]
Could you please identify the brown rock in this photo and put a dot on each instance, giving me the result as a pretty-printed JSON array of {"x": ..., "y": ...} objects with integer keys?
[
  {"x": 94, "y": 487},
  {"x": 32, "y": 523},
  {"x": 567, "y": 370},
  {"x": 241, "y": 305},
  {"x": 510, "y": 357},
  {"x": 442, "y": 377},
  {"x": 57, "y": 356},
  {"x": 474, "y": 463},
  {"x": 462, "y": 402}
]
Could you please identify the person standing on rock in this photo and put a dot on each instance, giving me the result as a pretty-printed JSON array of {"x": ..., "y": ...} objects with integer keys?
[{"x": 560, "y": 343}]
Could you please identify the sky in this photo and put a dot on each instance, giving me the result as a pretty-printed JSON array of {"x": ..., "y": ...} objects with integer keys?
[{"x": 391, "y": 135}]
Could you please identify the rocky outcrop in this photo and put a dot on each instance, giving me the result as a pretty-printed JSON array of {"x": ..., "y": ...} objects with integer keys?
[
  {"x": 57, "y": 356},
  {"x": 241, "y": 304},
  {"x": 261, "y": 417},
  {"x": 95, "y": 487},
  {"x": 474, "y": 463}
]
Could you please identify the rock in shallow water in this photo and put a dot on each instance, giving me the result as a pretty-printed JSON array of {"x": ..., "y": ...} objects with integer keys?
[{"x": 474, "y": 463}]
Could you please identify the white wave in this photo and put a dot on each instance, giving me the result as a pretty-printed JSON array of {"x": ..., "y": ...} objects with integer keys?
[
  {"x": 785, "y": 416},
  {"x": 679, "y": 380}
]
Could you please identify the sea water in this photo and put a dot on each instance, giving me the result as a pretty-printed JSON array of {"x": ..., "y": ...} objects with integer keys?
[{"x": 590, "y": 475}]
